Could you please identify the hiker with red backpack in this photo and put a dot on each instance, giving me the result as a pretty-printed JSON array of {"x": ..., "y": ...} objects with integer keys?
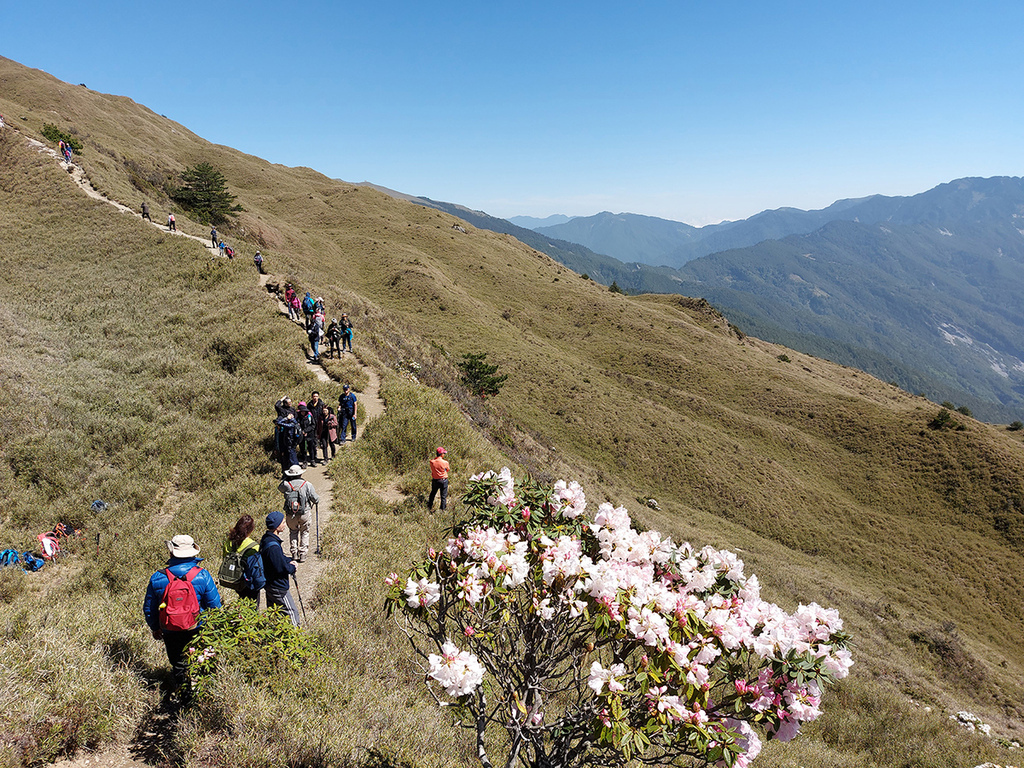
[
  {"x": 174, "y": 599},
  {"x": 299, "y": 498}
]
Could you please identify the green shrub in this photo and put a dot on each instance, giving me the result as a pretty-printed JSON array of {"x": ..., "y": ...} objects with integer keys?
[
  {"x": 255, "y": 645},
  {"x": 783, "y": 358},
  {"x": 1016, "y": 426},
  {"x": 944, "y": 420},
  {"x": 56, "y": 135},
  {"x": 964, "y": 410}
]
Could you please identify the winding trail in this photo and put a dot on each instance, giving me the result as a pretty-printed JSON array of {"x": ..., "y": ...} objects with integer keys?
[
  {"x": 152, "y": 743},
  {"x": 308, "y": 573}
]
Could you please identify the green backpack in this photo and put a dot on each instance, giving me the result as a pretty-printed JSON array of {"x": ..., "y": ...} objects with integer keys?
[{"x": 232, "y": 570}]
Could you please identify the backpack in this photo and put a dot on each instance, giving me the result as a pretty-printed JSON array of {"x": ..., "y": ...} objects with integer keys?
[
  {"x": 308, "y": 305},
  {"x": 179, "y": 609},
  {"x": 49, "y": 545},
  {"x": 294, "y": 502},
  {"x": 232, "y": 571},
  {"x": 31, "y": 562},
  {"x": 9, "y": 557}
]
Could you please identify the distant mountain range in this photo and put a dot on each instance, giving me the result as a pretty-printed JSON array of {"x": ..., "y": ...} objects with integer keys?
[
  {"x": 529, "y": 222},
  {"x": 924, "y": 291}
]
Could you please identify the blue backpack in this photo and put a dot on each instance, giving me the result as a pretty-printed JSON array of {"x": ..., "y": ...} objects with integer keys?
[
  {"x": 9, "y": 557},
  {"x": 32, "y": 563}
]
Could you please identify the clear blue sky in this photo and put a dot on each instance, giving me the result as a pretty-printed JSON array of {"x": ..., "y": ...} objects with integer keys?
[{"x": 694, "y": 111}]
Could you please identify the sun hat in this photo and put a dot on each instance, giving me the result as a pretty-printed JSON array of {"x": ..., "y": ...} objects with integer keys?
[
  {"x": 182, "y": 545},
  {"x": 274, "y": 520},
  {"x": 441, "y": 451},
  {"x": 294, "y": 471}
]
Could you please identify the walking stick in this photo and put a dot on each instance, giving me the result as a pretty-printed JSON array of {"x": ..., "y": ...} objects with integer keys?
[
  {"x": 318, "y": 528},
  {"x": 297, "y": 592}
]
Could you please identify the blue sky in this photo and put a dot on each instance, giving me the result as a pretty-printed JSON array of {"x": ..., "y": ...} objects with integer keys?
[{"x": 694, "y": 111}]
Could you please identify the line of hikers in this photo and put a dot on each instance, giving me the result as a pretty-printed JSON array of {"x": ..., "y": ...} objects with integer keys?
[
  {"x": 300, "y": 432},
  {"x": 314, "y": 318},
  {"x": 178, "y": 594}
]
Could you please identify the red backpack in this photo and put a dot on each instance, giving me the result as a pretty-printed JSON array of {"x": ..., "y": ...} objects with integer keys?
[{"x": 180, "y": 607}]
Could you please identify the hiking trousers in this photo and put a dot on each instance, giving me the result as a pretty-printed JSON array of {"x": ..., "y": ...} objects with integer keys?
[
  {"x": 435, "y": 486},
  {"x": 285, "y": 600},
  {"x": 176, "y": 643},
  {"x": 298, "y": 535}
]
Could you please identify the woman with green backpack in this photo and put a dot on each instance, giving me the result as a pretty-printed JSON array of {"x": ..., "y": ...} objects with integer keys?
[{"x": 242, "y": 569}]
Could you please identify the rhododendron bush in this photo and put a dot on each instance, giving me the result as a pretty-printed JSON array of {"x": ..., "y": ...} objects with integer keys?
[{"x": 565, "y": 638}]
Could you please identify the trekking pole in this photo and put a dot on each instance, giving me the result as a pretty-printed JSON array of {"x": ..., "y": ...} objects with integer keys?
[
  {"x": 318, "y": 528},
  {"x": 299, "y": 594}
]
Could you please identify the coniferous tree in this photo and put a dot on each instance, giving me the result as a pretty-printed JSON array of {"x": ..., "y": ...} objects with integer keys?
[
  {"x": 479, "y": 375},
  {"x": 204, "y": 192}
]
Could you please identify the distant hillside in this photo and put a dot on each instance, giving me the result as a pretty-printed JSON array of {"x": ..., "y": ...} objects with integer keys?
[
  {"x": 530, "y": 222},
  {"x": 654, "y": 241},
  {"x": 626, "y": 236},
  {"x": 930, "y": 299}
]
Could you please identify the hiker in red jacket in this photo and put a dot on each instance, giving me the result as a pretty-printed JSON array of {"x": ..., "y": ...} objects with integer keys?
[{"x": 182, "y": 571}]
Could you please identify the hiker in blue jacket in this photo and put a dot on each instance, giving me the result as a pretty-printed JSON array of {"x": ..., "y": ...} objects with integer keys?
[
  {"x": 184, "y": 557},
  {"x": 277, "y": 567}
]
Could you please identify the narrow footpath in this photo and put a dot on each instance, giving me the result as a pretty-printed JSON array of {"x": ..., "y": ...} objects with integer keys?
[
  {"x": 153, "y": 742},
  {"x": 308, "y": 573}
]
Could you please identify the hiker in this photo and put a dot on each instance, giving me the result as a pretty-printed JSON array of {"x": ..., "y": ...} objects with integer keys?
[
  {"x": 308, "y": 305},
  {"x": 286, "y": 439},
  {"x": 334, "y": 337},
  {"x": 243, "y": 552},
  {"x": 438, "y": 479},
  {"x": 347, "y": 413},
  {"x": 145, "y": 212},
  {"x": 228, "y": 251},
  {"x": 171, "y": 226},
  {"x": 314, "y": 340},
  {"x": 299, "y": 498},
  {"x": 307, "y": 437},
  {"x": 346, "y": 333},
  {"x": 277, "y": 568},
  {"x": 329, "y": 438},
  {"x": 284, "y": 407},
  {"x": 213, "y": 236},
  {"x": 293, "y": 309},
  {"x": 258, "y": 261},
  {"x": 174, "y": 599},
  {"x": 318, "y": 408}
]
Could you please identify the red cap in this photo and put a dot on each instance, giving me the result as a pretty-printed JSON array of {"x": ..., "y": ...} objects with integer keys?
[{"x": 441, "y": 451}]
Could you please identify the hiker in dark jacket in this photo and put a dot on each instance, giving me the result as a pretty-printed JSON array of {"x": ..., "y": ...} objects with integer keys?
[
  {"x": 277, "y": 567},
  {"x": 346, "y": 333},
  {"x": 286, "y": 440},
  {"x": 240, "y": 540},
  {"x": 347, "y": 413},
  {"x": 284, "y": 407},
  {"x": 334, "y": 337},
  {"x": 307, "y": 427},
  {"x": 184, "y": 557}
]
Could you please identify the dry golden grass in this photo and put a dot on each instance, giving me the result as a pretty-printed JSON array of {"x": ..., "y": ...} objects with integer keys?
[{"x": 134, "y": 369}]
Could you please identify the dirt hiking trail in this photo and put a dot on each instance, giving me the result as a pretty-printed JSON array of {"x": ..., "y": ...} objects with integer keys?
[{"x": 153, "y": 742}]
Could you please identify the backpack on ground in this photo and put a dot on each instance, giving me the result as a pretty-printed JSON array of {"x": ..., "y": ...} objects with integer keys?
[
  {"x": 9, "y": 557},
  {"x": 49, "y": 545},
  {"x": 31, "y": 562},
  {"x": 179, "y": 609},
  {"x": 232, "y": 570},
  {"x": 294, "y": 501}
]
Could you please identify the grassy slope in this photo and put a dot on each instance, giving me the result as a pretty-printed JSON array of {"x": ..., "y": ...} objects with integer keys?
[{"x": 828, "y": 480}]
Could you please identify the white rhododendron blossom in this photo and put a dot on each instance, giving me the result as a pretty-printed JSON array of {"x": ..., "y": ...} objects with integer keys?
[
  {"x": 459, "y": 672},
  {"x": 422, "y": 593},
  {"x": 639, "y": 634}
]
